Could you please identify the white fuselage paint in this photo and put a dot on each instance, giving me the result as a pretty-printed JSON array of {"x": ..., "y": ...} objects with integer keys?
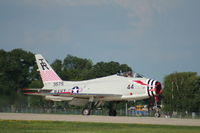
[{"x": 108, "y": 88}]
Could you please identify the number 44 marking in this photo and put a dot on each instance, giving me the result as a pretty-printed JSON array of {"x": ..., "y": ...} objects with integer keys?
[{"x": 130, "y": 86}]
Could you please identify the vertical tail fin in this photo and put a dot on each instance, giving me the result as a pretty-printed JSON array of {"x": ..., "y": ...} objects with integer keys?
[{"x": 46, "y": 72}]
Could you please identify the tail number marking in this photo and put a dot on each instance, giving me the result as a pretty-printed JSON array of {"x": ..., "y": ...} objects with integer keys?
[{"x": 58, "y": 84}]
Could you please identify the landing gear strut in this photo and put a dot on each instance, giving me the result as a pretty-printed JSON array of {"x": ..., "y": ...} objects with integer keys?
[
  {"x": 156, "y": 107},
  {"x": 112, "y": 112}
]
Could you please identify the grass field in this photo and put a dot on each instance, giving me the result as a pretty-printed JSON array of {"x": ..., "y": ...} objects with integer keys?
[{"x": 12, "y": 126}]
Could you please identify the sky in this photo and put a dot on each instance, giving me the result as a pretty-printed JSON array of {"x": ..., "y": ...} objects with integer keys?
[{"x": 154, "y": 37}]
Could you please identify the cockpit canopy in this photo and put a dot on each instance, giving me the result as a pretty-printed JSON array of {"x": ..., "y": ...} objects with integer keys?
[{"x": 130, "y": 74}]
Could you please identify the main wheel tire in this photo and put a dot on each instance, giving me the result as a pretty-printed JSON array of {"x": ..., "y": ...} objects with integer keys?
[
  {"x": 86, "y": 111},
  {"x": 112, "y": 112}
]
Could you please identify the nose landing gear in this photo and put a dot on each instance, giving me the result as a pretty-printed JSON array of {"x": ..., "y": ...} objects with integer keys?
[{"x": 156, "y": 107}]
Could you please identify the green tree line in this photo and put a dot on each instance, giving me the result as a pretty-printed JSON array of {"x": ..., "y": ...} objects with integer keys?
[{"x": 181, "y": 92}]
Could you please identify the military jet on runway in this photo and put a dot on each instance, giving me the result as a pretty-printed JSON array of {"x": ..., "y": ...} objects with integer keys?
[{"x": 93, "y": 93}]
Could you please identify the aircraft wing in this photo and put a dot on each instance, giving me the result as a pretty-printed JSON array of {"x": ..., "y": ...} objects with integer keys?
[
  {"x": 36, "y": 91},
  {"x": 94, "y": 95}
]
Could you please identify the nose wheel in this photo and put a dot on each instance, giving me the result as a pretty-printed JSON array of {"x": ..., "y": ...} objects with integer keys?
[
  {"x": 157, "y": 111},
  {"x": 157, "y": 114}
]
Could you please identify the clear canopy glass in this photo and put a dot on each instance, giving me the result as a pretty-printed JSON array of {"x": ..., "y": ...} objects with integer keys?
[{"x": 130, "y": 74}]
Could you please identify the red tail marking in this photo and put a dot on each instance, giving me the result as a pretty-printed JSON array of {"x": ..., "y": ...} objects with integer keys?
[{"x": 49, "y": 75}]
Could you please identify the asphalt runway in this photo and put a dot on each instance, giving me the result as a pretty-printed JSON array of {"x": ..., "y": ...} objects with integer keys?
[{"x": 101, "y": 119}]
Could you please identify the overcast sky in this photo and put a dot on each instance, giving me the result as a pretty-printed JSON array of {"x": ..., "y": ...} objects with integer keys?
[{"x": 154, "y": 37}]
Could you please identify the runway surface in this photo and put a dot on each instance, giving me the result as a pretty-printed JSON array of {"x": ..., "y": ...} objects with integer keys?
[{"x": 102, "y": 119}]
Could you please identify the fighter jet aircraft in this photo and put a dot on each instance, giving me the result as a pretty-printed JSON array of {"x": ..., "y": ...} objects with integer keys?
[{"x": 93, "y": 93}]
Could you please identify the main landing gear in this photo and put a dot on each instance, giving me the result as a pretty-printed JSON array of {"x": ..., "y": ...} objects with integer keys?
[
  {"x": 91, "y": 106},
  {"x": 112, "y": 112},
  {"x": 112, "y": 109},
  {"x": 87, "y": 110}
]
